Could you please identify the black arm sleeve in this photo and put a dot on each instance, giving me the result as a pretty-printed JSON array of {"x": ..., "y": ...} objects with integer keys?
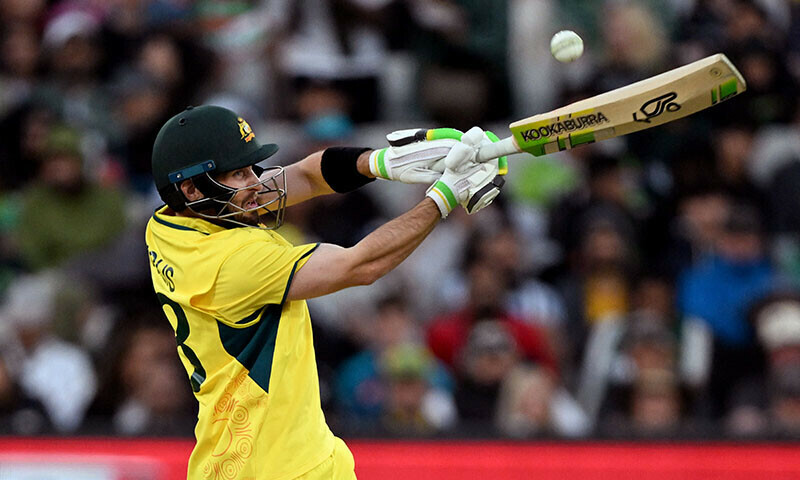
[{"x": 340, "y": 171}]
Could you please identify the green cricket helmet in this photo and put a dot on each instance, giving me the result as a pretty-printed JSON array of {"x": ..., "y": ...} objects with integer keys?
[{"x": 203, "y": 142}]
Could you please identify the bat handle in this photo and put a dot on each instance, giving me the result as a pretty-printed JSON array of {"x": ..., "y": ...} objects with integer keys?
[{"x": 506, "y": 146}]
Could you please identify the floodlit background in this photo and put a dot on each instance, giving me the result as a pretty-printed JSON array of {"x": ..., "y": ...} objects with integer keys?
[{"x": 644, "y": 288}]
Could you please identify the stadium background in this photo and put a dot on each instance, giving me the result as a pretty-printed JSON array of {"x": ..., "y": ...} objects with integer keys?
[{"x": 640, "y": 290}]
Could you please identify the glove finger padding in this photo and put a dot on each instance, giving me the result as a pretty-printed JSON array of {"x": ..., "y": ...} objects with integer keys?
[
  {"x": 502, "y": 162},
  {"x": 459, "y": 156},
  {"x": 474, "y": 137},
  {"x": 477, "y": 137}
]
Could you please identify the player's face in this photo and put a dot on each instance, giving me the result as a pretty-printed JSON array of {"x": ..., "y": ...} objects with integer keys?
[{"x": 245, "y": 199}]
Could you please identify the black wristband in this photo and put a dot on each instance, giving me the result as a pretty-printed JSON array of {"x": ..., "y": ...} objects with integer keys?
[{"x": 339, "y": 167}]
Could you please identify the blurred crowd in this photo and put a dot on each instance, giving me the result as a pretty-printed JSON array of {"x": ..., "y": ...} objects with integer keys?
[{"x": 643, "y": 287}]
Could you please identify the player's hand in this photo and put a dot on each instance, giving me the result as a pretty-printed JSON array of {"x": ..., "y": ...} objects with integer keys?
[
  {"x": 414, "y": 155},
  {"x": 417, "y": 155},
  {"x": 464, "y": 181}
]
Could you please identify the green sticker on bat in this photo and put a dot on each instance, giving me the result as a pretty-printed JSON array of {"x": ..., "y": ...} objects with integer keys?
[{"x": 727, "y": 89}]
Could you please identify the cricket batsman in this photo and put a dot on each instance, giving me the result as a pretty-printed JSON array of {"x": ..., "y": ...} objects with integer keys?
[{"x": 235, "y": 291}]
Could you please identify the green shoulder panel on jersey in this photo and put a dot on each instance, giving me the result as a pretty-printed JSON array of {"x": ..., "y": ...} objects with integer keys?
[{"x": 254, "y": 346}]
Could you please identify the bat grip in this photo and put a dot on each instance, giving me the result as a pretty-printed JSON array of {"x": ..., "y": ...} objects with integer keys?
[{"x": 506, "y": 146}]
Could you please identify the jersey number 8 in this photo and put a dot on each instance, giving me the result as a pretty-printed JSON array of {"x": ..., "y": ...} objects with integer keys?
[{"x": 181, "y": 334}]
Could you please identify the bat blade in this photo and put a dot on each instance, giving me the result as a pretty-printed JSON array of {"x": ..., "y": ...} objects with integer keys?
[{"x": 654, "y": 101}]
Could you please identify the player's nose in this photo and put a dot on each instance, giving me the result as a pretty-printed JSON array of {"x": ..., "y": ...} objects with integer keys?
[{"x": 253, "y": 181}]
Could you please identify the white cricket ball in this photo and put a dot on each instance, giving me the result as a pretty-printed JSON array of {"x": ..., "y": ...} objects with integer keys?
[{"x": 566, "y": 46}]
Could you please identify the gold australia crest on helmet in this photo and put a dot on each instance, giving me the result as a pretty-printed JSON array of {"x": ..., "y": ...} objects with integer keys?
[{"x": 245, "y": 130}]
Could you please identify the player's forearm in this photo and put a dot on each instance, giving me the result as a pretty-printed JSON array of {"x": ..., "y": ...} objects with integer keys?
[
  {"x": 332, "y": 268},
  {"x": 304, "y": 179},
  {"x": 385, "y": 248}
]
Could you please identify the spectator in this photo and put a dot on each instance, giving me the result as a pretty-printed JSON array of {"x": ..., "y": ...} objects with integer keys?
[
  {"x": 487, "y": 359},
  {"x": 156, "y": 399},
  {"x": 339, "y": 42},
  {"x": 39, "y": 362},
  {"x": 616, "y": 347},
  {"x": 606, "y": 191},
  {"x": 773, "y": 407},
  {"x": 703, "y": 30},
  {"x": 142, "y": 107},
  {"x": 532, "y": 403},
  {"x": 23, "y": 137},
  {"x": 64, "y": 213},
  {"x": 598, "y": 286},
  {"x": 445, "y": 250},
  {"x": 714, "y": 297},
  {"x": 19, "y": 65},
  {"x": 448, "y": 334},
  {"x": 74, "y": 57},
  {"x": 785, "y": 401},
  {"x": 362, "y": 390},
  {"x": 655, "y": 409},
  {"x": 732, "y": 146},
  {"x": 128, "y": 28},
  {"x": 462, "y": 80},
  {"x": 413, "y": 405},
  {"x": 345, "y": 219},
  {"x": 752, "y": 22},
  {"x": 21, "y": 11},
  {"x": 635, "y": 45},
  {"x": 19, "y": 414},
  {"x": 645, "y": 396},
  {"x": 527, "y": 298},
  {"x": 695, "y": 230},
  {"x": 174, "y": 62},
  {"x": 769, "y": 84}
]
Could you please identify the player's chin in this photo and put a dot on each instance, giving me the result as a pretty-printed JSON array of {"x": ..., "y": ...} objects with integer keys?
[{"x": 249, "y": 218}]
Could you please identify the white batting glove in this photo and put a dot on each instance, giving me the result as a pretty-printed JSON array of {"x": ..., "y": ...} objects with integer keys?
[
  {"x": 417, "y": 155},
  {"x": 414, "y": 155},
  {"x": 464, "y": 181}
]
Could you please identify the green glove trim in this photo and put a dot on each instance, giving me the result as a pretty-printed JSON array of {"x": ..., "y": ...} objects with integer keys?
[
  {"x": 441, "y": 133},
  {"x": 502, "y": 162},
  {"x": 442, "y": 188},
  {"x": 381, "y": 164}
]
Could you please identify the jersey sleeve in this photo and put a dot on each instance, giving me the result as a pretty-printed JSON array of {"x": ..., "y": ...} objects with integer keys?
[{"x": 254, "y": 275}]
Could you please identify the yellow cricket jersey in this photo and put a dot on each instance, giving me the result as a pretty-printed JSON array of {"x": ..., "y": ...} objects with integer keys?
[{"x": 247, "y": 350}]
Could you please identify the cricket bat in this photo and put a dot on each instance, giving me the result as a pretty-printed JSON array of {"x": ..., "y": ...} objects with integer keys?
[{"x": 654, "y": 101}]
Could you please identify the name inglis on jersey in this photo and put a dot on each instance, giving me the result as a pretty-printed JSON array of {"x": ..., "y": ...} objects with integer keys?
[
  {"x": 564, "y": 126},
  {"x": 164, "y": 269}
]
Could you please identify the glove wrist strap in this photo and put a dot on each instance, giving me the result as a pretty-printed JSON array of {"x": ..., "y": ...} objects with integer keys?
[
  {"x": 377, "y": 165},
  {"x": 443, "y": 196}
]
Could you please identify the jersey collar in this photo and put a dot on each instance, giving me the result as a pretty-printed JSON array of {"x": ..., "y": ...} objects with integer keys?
[{"x": 185, "y": 223}]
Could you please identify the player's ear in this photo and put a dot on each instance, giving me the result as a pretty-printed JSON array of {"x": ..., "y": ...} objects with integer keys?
[{"x": 190, "y": 191}]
